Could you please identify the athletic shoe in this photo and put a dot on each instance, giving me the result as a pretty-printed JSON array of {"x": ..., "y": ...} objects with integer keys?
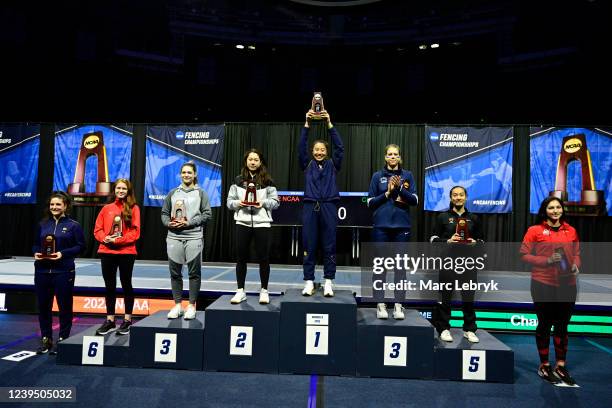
[
  {"x": 53, "y": 351},
  {"x": 240, "y": 296},
  {"x": 264, "y": 297},
  {"x": 125, "y": 327},
  {"x": 46, "y": 344},
  {"x": 381, "y": 311},
  {"x": 309, "y": 288},
  {"x": 175, "y": 312},
  {"x": 190, "y": 312},
  {"x": 107, "y": 327},
  {"x": 546, "y": 373},
  {"x": 446, "y": 336},
  {"x": 564, "y": 375},
  {"x": 398, "y": 312},
  {"x": 471, "y": 336},
  {"x": 328, "y": 290}
]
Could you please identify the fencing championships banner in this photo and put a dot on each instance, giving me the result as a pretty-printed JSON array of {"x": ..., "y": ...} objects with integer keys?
[
  {"x": 574, "y": 164},
  {"x": 479, "y": 159},
  {"x": 168, "y": 147},
  {"x": 19, "y": 149},
  {"x": 88, "y": 158}
]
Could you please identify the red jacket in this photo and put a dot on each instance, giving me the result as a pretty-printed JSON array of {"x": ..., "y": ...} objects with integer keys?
[
  {"x": 540, "y": 242},
  {"x": 125, "y": 244}
]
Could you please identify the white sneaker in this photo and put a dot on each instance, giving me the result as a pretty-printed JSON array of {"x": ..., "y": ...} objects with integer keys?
[
  {"x": 471, "y": 336},
  {"x": 381, "y": 311},
  {"x": 398, "y": 312},
  {"x": 309, "y": 288},
  {"x": 264, "y": 297},
  {"x": 446, "y": 336},
  {"x": 190, "y": 312},
  {"x": 328, "y": 290},
  {"x": 175, "y": 312},
  {"x": 240, "y": 296}
]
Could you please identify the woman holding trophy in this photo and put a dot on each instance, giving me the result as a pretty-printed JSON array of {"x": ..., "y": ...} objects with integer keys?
[
  {"x": 321, "y": 197},
  {"x": 58, "y": 240},
  {"x": 117, "y": 229},
  {"x": 252, "y": 197},
  {"x": 185, "y": 211}
]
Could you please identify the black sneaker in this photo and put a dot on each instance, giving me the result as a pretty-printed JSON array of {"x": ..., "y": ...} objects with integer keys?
[
  {"x": 53, "y": 351},
  {"x": 46, "y": 344},
  {"x": 106, "y": 328},
  {"x": 125, "y": 327},
  {"x": 546, "y": 373},
  {"x": 564, "y": 375}
]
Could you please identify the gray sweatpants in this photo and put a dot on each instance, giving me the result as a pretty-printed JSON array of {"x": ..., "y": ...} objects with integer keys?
[{"x": 181, "y": 252}]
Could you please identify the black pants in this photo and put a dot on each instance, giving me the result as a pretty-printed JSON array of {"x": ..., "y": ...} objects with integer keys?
[
  {"x": 59, "y": 285},
  {"x": 244, "y": 236},
  {"x": 442, "y": 311},
  {"x": 125, "y": 263},
  {"x": 553, "y": 306}
]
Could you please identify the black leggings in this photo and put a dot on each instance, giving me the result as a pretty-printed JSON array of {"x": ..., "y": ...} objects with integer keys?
[
  {"x": 244, "y": 236},
  {"x": 553, "y": 306},
  {"x": 125, "y": 263}
]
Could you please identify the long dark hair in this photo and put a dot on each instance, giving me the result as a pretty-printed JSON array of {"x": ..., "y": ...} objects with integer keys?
[
  {"x": 130, "y": 199},
  {"x": 261, "y": 174},
  {"x": 542, "y": 211},
  {"x": 66, "y": 199},
  {"x": 195, "y": 170},
  {"x": 450, "y": 194}
]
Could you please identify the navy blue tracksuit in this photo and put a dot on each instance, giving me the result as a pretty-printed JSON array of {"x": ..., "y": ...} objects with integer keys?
[
  {"x": 320, "y": 211},
  {"x": 56, "y": 278}
]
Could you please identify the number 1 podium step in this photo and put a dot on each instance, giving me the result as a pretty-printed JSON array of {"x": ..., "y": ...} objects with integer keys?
[
  {"x": 86, "y": 348},
  {"x": 317, "y": 333},
  {"x": 242, "y": 337},
  {"x": 157, "y": 341}
]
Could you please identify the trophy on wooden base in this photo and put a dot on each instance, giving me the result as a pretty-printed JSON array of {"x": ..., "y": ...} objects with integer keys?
[
  {"x": 250, "y": 196},
  {"x": 317, "y": 106},
  {"x": 48, "y": 246},
  {"x": 179, "y": 212},
  {"x": 117, "y": 227},
  {"x": 462, "y": 230}
]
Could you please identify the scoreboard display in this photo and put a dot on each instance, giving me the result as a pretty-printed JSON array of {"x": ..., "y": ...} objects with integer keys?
[{"x": 353, "y": 209}]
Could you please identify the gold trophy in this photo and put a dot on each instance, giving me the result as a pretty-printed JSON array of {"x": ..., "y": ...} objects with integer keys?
[
  {"x": 48, "y": 246},
  {"x": 317, "y": 106},
  {"x": 117, "y": 227},
  {"x": 462, "y": 230},
  {"x": 250, "y": 196},
  {"x": 179, "y": 212}
]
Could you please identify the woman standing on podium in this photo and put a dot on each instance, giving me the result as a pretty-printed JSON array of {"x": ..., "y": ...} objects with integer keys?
[
  {"x": 552, "y": 249},
  {"x": 253, "y": 197},
  {"x": 57, "y": 241},
  {"x": 117, "y": 229},
  {"x": 321, "y": 197},
  {"x": 392, "y": 192}
]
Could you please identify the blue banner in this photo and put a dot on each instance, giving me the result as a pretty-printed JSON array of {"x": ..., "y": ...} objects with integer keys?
[
  {"x": 19, "y": 149},
  {"x": 88, "y": 158},
  {"x": 479, "y": 159},
  {"x": 168, "y": 147},
  {"x": 575, "y": 164}
]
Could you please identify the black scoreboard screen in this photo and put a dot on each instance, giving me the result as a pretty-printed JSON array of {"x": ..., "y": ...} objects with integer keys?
[{"x": 353, "y": 209}]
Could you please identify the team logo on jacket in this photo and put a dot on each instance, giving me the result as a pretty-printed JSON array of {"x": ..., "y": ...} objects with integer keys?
[
  {"x": 451, "y": 220},
  {"x": 406, "y": 184},
  {"x": 383, "y": 180},
  {"x": 546, "y": 232}
]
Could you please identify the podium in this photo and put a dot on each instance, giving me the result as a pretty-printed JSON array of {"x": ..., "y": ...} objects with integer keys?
[
  {"x": 489, "y": 360},
  {"x": 244, "y": 337},
  {"x": 86, "y": 348},
  {"x": 159, "y": 342},
  {"x": 317, "y": 334},
  {"x": 394, "y": 348}
]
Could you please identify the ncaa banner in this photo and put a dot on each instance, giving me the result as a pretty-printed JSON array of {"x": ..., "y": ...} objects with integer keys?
[
  {"x": 19, "y": 149},
  {"x": 88, "y": 158},
  {"x": 168, "y": 147},
  {"x": 574, "y": 164},
  {"x": 479, "y": 159}
]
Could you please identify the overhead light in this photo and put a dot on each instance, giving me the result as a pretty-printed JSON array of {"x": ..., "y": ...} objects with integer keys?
[
  {"x": 435, "y": 45},
  {"x": 240, "y": 46},
  {"x": 422, "y": 47},
  {"x": 251, "y": 47}
]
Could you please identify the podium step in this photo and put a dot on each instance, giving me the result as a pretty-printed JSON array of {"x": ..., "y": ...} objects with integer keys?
[
  {"x": 394, "y": 348},
  {"x": 159, "y": 342},
  {"x": 86, "y": 348},
  {"x": 489, "y": 360},
  {"x": 245, "y": 336}
]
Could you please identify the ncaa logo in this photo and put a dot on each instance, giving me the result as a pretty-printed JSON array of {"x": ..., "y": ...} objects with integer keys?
[
  {"x": 180, "y": 135},
  {"x": 434, "y": 136}
]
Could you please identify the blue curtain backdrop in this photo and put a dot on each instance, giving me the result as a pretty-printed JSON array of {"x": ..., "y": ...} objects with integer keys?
[
  {"x": 479, "y": 159},
  {"x": 168, "y": 147}
]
